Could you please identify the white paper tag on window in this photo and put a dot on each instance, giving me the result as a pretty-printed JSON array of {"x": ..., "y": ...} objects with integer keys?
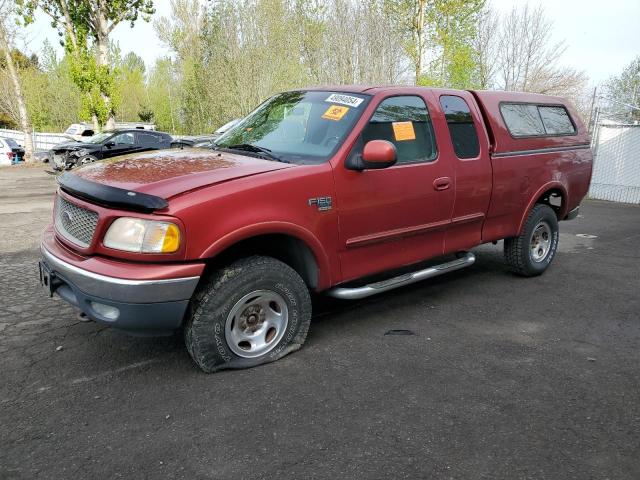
[{"x": 344, "y": 100}]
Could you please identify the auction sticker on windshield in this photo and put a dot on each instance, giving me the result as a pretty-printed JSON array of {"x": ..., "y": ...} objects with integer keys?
[
  {"x": 345, "y": 100},
  {"x": 335, "y": 112}
]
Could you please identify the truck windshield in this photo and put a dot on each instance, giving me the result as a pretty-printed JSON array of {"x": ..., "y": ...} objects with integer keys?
[{"x": 297, "y": 127}]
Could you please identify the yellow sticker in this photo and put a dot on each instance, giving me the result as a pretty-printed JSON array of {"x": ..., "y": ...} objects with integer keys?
[
  {"x": 335, "y": 112},
  {"x": 403, "y": 131}
]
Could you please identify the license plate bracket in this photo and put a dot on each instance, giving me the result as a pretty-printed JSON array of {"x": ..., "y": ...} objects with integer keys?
[{"x": 47, "y": 278}]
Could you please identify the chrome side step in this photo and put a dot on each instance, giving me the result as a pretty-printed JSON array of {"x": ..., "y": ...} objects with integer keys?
[{"x": 400, "y": 281}]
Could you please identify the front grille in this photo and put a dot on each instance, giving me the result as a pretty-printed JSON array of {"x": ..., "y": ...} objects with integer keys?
[{"x": 75, "y": 223}]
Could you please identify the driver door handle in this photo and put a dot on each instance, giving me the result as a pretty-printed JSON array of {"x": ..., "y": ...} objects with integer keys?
[{"x": 442, "y": 183}]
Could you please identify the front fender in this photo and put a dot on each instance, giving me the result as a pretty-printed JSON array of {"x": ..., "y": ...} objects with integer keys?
[{"x": 276, "y": 227}]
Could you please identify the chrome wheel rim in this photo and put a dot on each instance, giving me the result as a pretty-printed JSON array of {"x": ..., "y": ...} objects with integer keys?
[
  {"x": 256, "y": 323},
  {"x": 540, "y": 242}
]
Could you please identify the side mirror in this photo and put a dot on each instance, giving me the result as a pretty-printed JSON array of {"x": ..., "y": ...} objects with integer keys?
[
  {"x": 110, "y": 144},
  {"x": 376, "y": 154}
]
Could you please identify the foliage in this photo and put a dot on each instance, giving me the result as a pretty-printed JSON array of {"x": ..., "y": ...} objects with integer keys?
[
  {"x": 96, "y": 83},
  {"x": 624, "y": 91},
  {"x": 451, "y": 30},
  {"x": 162, "y": 93},
  {"x": 20, "y": 60},
  {"x": 130, "y": 87},
  {"x": 516, "y": 52},
  {"x": 226, "y": 62},
  {"x": 84, "y": 26},
  {"x": 437, "y": 37},
  {"x": 227, "y": 56}
]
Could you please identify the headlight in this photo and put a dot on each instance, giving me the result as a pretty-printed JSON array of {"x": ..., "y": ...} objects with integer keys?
[{"x": 142, "y": 236}]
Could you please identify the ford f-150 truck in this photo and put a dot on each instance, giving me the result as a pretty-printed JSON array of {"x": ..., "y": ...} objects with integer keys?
[{"x": 350, "y": 191}]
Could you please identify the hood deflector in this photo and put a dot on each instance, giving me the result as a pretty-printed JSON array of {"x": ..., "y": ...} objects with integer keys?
[{"x": 108, "y": 196}]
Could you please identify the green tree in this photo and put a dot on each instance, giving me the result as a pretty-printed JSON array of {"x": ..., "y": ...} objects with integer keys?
[
  {"x": 439, "y": 33},
  {"x": 62, "y": 99},
  {"x": 624, "y": 90},
  {"x": 130, "y": 86},
  {"x": 162, "y": 91},
  {"x": 85, "y": 26},
  {"x": 452, "y": 29}
]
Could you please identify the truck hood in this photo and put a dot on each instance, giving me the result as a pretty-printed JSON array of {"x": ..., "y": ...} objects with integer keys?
[{"x": 167, "y": 173}]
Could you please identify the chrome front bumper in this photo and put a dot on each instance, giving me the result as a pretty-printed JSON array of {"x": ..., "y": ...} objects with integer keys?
[
  {"x": 138, "y": 307},
  {"x": 119, "y": 289}
]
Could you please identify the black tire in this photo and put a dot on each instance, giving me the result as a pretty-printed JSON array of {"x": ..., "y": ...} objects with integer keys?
[
  {"x": 519, "y": 252},
  {"x": 205, "y": 330}
]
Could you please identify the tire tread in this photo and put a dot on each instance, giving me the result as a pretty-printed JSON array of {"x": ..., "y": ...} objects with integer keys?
[
  {"x": 197, "y": 322},
  {"x": 516, "y": 248}
]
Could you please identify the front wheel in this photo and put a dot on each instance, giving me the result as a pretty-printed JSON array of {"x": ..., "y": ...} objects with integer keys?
[
  {"x": 254, "y": 311},
  {"x": 531, "y": 253}
]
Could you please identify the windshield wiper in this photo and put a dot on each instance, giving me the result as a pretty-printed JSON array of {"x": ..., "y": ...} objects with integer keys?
[{"x": 249, "y": 147}]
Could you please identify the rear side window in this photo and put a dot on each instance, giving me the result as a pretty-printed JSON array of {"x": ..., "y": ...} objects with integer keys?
[
  {"x": 461, "y": 127},
  {"x": 556, "y": 120},
  {"x": 148, "y": 139},
  {"x": 405, "y": 122},
  {"x": 528, "y": 120}
]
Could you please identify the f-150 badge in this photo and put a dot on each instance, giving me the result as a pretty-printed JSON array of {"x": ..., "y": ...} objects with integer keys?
[{"x": 323, "y": 203}]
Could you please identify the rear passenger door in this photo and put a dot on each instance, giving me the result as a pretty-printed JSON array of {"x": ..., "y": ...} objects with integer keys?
[
  {"x": 148, "y": 141},
  {"x": 398, "y": 215}
]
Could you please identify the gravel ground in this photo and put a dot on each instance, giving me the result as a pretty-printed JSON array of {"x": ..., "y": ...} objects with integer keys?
[{"x": 503, "y": 377}]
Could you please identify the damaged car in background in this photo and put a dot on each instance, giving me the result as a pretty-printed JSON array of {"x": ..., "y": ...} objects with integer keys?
[{"x": 106, "y": 145}]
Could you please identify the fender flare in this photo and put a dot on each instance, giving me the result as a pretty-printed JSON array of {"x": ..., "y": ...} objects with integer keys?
[
  {"x": 554, "y": 185},
  {"x": 276, "y": 228}
]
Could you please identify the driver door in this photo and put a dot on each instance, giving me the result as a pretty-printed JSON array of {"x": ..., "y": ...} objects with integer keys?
[{"x": 398, "y": 215}]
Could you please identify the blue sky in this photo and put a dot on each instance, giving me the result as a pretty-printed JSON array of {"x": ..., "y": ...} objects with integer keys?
[{"x": 602, "y": 36}]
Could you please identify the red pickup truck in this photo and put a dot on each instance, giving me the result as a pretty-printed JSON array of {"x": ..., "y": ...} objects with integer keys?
[{"x": 349, "y": 191}]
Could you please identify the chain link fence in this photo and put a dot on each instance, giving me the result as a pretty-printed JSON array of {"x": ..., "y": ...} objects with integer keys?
[{"x": 615, "y": 141}]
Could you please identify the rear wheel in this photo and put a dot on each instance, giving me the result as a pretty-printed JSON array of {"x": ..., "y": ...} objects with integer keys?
[
  {"x": 254, "y": 311},
  {"x": 531, "y": 253}
]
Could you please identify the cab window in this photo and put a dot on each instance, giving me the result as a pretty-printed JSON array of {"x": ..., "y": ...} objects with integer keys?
[
  {"x": 461, "y": 127},
  {"x": 405, "y": 122}
]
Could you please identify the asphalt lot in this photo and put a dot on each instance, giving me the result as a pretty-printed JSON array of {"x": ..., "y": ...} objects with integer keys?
[{"x": 505, "y": 378}]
